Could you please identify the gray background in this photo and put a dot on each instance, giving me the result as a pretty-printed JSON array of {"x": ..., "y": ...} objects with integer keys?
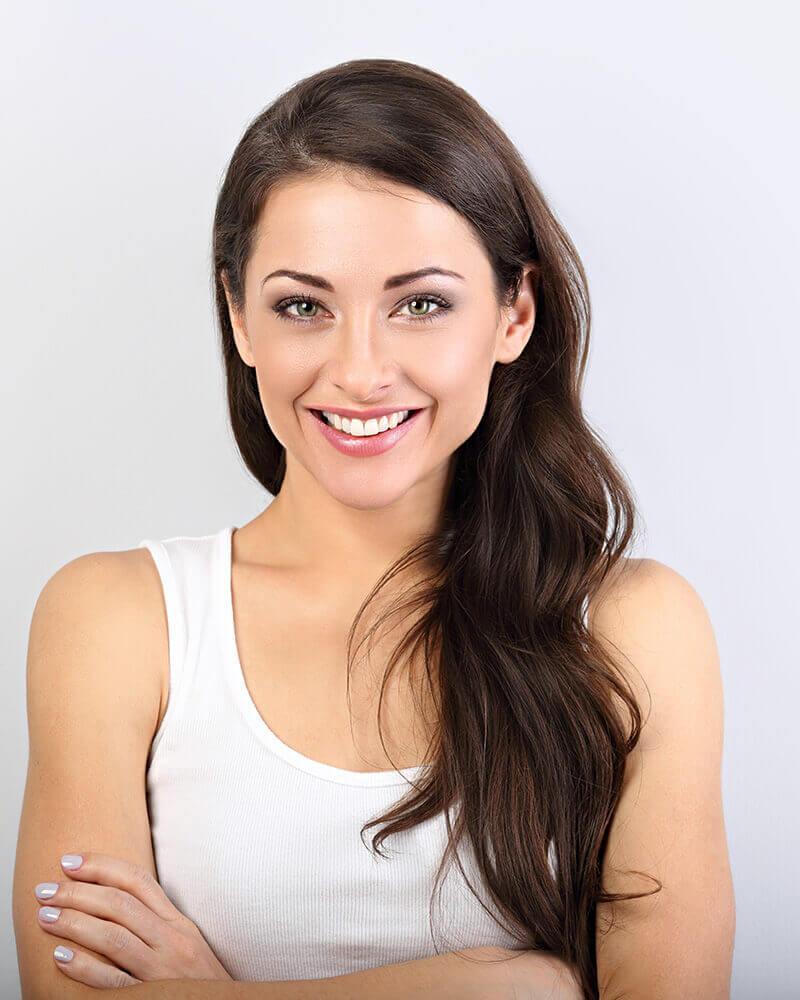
[{"x": 664, "y": 137}]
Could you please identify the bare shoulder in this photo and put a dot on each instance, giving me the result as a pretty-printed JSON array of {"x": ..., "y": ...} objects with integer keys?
[
  {"x": 118, "y": 596},
  {"x": 645, "y": 586},
  {"x": 654, "y": 623}
]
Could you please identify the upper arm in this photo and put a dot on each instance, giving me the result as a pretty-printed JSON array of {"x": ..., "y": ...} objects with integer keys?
[
  {"x": 678, "y": 942},
  {"x": 93, "y": 700}
]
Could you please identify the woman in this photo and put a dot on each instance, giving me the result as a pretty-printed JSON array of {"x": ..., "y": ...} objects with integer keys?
[{"x": 433, "y": 629}]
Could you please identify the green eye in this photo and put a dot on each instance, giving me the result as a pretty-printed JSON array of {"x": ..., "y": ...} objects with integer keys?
[
  {"x": 306, "y": 304},
  {"x": 422, "y": 301},
  {"x": 299, "y": 302}
]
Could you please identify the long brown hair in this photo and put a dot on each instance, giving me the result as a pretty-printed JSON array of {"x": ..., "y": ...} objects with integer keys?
[{"x": 529, "y": 741}]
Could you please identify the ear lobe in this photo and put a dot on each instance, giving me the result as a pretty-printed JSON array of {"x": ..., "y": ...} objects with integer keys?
[
  {"x": 240, "y": 336},
  {"x": 242, "y": 342}
]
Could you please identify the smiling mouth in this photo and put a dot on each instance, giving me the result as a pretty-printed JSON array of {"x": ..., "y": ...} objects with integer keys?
[{"x": 319, "y": 415}]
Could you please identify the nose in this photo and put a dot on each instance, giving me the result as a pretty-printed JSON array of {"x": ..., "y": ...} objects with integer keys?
[{"x": 359, "y": 365}]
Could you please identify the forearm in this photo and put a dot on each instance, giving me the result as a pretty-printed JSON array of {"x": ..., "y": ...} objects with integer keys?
[{"x": 484, "y": 974}]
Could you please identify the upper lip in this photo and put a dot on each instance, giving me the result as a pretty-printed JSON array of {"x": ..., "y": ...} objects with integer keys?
[{"x": 381, "y": 411}]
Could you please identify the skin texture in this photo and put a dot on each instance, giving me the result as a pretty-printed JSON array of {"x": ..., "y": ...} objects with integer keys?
[{"x": 364, "y": 348}]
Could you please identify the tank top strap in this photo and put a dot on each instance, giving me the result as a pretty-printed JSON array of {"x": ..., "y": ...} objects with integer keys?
[{"x": 186, "y": 567}]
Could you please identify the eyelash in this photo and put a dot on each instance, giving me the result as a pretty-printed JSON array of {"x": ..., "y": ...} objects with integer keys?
[{"x": 437, "y": 300}]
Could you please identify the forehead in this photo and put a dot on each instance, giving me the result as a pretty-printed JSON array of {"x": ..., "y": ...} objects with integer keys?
[{"x": 351, "y": 225}]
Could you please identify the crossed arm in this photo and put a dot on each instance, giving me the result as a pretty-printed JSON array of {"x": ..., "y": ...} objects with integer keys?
[
  {"x": 124, "y": 933},
  {"x": 132, "y": 937},
  {"x": 496, "y": 975}
]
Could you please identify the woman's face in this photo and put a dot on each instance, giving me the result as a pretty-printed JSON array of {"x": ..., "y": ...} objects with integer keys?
[{"x": 363, "y": 337}]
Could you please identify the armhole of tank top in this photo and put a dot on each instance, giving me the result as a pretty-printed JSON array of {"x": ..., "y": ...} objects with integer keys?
[{"x": 176, "y": 634}]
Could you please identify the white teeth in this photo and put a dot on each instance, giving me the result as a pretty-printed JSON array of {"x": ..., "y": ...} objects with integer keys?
[{"x": 365, "y": 428}]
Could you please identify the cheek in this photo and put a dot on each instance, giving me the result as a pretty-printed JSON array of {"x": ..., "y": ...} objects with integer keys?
[
  {"x": 458, "y": 370},
  {"x": 282, "y": 362},
  {"x": 283, "y": 375},
  {"x": 458, "y": 380}
]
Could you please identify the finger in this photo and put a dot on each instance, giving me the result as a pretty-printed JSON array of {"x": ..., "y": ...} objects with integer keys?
[
  {"x": 105, "y": 869},
  {"x": 87, "y": 969},
  {"x": 110, "y": 903},
  {"x": 104, "y": 937}
]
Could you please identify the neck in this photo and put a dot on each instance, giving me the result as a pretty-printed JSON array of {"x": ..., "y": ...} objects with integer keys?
[{"x": 309, "y": 530}]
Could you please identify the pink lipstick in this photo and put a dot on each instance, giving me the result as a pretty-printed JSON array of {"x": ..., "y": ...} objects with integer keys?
[{"x": 372, "y": 444}]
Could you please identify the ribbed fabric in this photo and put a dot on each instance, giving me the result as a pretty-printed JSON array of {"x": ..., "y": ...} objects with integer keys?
[{"x": 258, "y": 844}]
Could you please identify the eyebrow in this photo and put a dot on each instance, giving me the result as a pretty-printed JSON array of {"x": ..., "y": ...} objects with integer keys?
[{"x": 394, "y": 282}]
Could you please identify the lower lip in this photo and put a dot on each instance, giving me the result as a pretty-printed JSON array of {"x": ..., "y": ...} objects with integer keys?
[{"x": 373, "y": 444}]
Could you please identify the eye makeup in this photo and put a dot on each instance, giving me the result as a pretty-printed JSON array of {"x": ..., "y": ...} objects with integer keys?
[{"x": 442, "y": 304}]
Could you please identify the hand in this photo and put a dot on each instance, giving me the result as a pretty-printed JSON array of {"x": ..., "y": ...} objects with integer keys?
[{"x": 119, "y": 910}]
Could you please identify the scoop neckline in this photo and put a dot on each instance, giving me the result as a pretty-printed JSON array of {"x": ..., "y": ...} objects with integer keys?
[{"x": 250, "y": 711}]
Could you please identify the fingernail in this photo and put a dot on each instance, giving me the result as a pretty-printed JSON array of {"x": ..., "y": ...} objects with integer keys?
[
  {"x": 49, "y": 913},
  {"x": 71, "y": 861},
  {"x": 63, "y": 954},
  {"x": 46, "y": 890}
]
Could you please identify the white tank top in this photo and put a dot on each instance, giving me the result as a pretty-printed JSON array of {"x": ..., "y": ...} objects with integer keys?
[{"x": 258, "y": 844}]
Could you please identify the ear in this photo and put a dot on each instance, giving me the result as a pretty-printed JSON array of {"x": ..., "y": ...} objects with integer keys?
[
  {"x": 517, "y": 320},
  {"x": 240, "y": 336}
]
